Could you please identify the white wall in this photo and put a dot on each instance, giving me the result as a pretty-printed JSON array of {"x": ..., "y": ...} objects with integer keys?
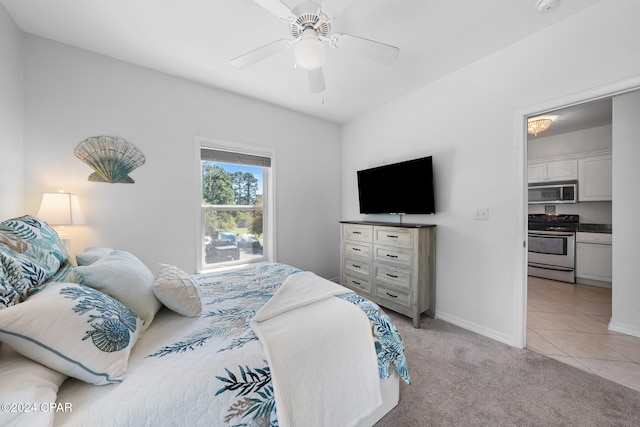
[
  {"x": 11, "y": 159},
  {"x": 466, "y": 121},
  {"x": 626, "y": 181},
  {"x": 71, "y": 94}
]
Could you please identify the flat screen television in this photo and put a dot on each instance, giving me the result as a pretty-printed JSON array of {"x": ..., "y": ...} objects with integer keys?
[{"x": 399, "y": 188}]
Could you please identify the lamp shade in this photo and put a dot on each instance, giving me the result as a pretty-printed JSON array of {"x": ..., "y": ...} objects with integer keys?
[{"x": 60, "y": 209}]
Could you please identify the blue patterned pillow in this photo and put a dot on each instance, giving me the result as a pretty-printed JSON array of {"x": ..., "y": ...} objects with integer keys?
[
  {"x": 30, "y": 253},
  {"x": 66, "y": 273},
  {"x": 22, "y": 275},
  {"x": 40, "y": 239},
  {"x": 8, "y": 295},
  {"x": 75, "y": 330}
]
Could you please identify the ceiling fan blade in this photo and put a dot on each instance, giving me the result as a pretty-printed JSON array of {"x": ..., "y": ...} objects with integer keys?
[
  {"x": 276, "y": 7},
  {"x": 333, "y": 8},
  {"x": 366, "y": 48},
  {"x": 316, "y": 80},
  {"x": 260, "y": 53}
]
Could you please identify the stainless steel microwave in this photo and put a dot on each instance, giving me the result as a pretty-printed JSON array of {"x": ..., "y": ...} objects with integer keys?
[{"x": 551, "y": 193}]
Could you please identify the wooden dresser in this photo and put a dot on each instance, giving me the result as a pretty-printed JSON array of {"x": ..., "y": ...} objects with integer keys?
[{"x": 393, "y": 265}]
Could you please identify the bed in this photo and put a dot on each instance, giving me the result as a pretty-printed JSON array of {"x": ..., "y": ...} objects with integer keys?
[{"x": 107, "y": 343}]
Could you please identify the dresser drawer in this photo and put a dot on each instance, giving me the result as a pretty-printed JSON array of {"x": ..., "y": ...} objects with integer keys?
[
  {"x": 393, "y": 236},
  {"x": 400, "y": 277},
  {"x": 357, "y": 249},
  {"x": 358, "y": 266},
  {"x": 356, "y": 283},
  {"x": 389, "y": 254},
  {"x": 393, "y": 295},
  {"x": 359, "y": 233}
]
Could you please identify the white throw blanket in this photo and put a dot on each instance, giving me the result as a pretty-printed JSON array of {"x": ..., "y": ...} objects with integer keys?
[{"x": 321, "y": 354}]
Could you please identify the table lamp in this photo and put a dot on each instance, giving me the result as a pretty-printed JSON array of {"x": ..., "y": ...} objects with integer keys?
[{"x": 60, "y": 209}]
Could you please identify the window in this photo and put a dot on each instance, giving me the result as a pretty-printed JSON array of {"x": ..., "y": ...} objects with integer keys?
[{"x": 236, "y": 211}]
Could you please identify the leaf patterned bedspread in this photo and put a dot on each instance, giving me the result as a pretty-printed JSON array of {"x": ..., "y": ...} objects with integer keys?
[{"x": 209, "y": 370}]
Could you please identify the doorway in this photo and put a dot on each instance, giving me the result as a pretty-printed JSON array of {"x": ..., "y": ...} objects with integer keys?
[
  {"x": 520, "y": 117},
  {"x": 560, "y": 312},
  {"x": 587, "y": 320}
]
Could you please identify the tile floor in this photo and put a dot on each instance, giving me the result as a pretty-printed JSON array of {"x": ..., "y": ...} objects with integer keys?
[{"x": 569, "y": 323}]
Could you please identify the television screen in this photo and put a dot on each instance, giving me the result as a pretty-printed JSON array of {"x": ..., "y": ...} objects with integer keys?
[{"x": 399, "y": 188}]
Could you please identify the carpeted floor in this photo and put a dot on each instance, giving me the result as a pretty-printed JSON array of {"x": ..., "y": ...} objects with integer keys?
[{"x": 464, "y": 379}]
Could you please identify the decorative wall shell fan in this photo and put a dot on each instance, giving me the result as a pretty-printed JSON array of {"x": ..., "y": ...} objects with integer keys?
[
  {"x": 310, "y": 29},
  {"x": 111, "y": 158}
]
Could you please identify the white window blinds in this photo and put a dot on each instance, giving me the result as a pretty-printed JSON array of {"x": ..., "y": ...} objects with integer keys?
[{"x": 211, "y": 155}]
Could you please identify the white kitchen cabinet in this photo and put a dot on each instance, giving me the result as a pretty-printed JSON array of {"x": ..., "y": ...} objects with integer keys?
[
  {"x": 552, "y": 170},
  {"x": 391, "y": 265},
  {"x": 595, "y": 178},
  {"x": 594, "y": 258}
]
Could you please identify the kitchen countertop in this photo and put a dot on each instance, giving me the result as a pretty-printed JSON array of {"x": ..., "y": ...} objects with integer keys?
[{"x": 595, "y": 228}]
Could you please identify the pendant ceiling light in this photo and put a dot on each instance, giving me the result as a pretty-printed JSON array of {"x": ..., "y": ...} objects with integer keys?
[{"x": 538, "y": 125}]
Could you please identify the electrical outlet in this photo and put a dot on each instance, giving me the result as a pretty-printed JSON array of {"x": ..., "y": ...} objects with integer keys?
[{"x": 481, "y": 214}]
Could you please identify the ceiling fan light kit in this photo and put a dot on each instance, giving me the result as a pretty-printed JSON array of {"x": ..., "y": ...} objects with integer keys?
[
  {"x": 543, "y": 5},
  {"x": 309, "y": 52},
  {"x": 310, "y": 29}
]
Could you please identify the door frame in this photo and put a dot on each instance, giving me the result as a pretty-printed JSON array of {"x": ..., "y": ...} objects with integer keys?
[{"x": 520, "y": 126}]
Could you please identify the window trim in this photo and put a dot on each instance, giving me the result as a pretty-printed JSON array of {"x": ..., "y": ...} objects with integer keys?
[{"x": 269, "y": 228}]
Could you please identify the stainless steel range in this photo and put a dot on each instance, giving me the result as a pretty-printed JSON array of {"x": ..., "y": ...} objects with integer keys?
[{"x": 552, "y": 246}]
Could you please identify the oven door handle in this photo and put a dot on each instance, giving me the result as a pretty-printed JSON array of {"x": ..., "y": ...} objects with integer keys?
[{"x": 557, "y": 234}]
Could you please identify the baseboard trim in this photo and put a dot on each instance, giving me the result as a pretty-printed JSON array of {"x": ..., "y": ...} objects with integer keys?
[
  {"x": 473, "y": 327},
  {"x": 624, "y": 328},
  {"x": 591, "y": 282}
]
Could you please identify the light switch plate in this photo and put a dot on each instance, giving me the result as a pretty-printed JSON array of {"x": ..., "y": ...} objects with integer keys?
[{"x": 481, "y": 214}]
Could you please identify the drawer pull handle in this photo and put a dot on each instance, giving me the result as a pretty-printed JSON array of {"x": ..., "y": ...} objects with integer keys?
[
  {"x": 356, "y": 283},
  {"x": 391, "y": 236},
  {"x": 357, "y": 232},
  {"x": 355, "y": 249},
  {"x": 392, "y": 256},
  {"x": 392, "y": 296},
  {"x": 356, "y": 266},
  {"x": 392, "y": 275}
]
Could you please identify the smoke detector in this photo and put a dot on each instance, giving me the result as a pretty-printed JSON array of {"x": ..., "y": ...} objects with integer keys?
[{"x": 544, "y": 5}]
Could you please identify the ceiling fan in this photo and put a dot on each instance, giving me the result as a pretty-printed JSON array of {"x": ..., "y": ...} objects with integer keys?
[{"x": 310, "y": 29}]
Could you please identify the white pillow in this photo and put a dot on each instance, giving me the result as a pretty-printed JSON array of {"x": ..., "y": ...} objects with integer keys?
[
  {"x": 125, "y": 278},
  {"x": 91, "y": 255},
  {"x": 38, "y": 387},
  {"x": 75, "y": 330},
  {"x": 175, "y": 289}
]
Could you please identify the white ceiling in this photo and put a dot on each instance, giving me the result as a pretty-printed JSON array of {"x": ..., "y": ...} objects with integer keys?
[
  {"x": 195, "y": 39},
  {"x": 578, "y": 117}
]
